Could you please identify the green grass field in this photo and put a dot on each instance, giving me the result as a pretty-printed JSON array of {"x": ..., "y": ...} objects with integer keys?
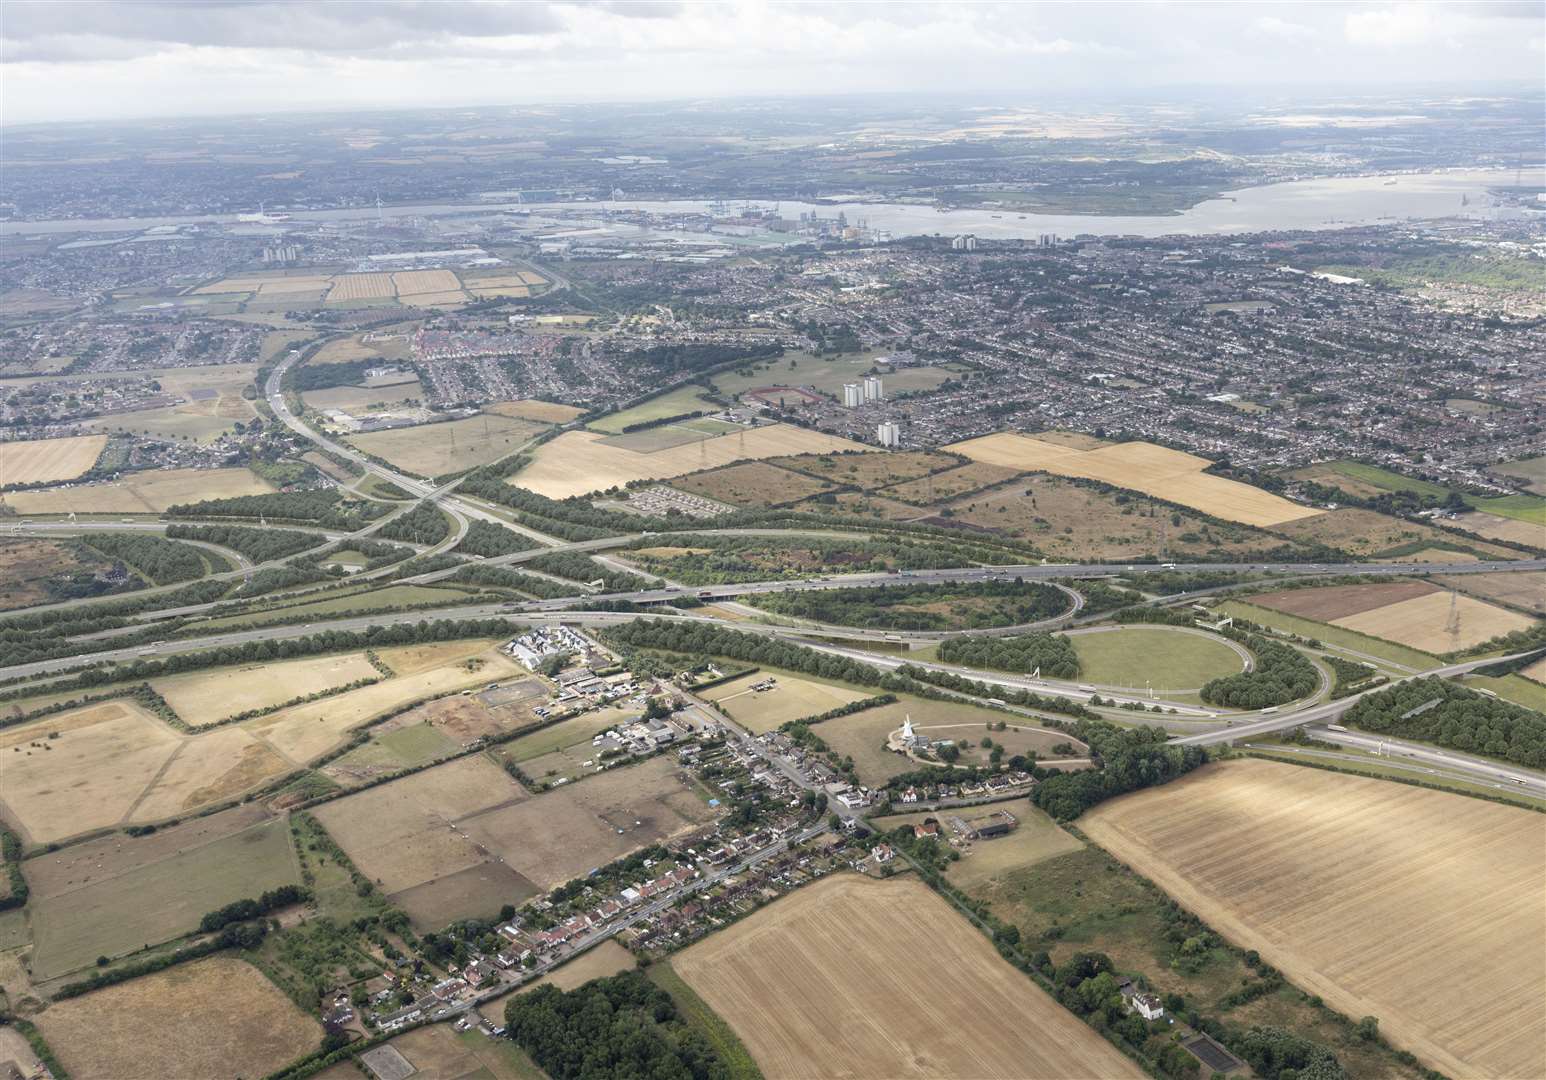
[
  {"x": 684, "y": 399},
  {"x": 1333, "y": 636},
  {"x": 1165, "y": 659},
  {"x": 163, "y": 900},
  {"x": 580, "y": 729},
  {"x": 828, "y": 375},
  {"x": 417, "y": 744},
  {"x": 389, "y": 598},
  {"x": 1515, "y": 688},
  {"x": 1527, "y": 508}
]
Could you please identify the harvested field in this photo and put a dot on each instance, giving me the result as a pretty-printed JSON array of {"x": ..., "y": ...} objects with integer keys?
[
  {"x": 364, "y": 399},
  {"x": 350, "y": 348},
  {"x": 149, "y": 492},
  {"x": 304, "y": 732},
  {"x": 1526, "y": 589},
  {"x": 207, "y": 697},
  {"x": 106, "y": 1033},
  {"x": 1437, "y": 929},
  {"x": 825, "y": 983},
  {"x": 792, "y": 698},
  {"x": 754, "y": 483},
  {"x": 543, "y": 412},
  {"x": 578, "y": 462},
  {"x": 207, "y": 769},
  {"x": 567, "y": 832},
  {"x": 683, "y": 399},
  {"x": 485, "y": 291},
  {"x": 1329, "y": 634},
  {"x": 90, "y": 776},
  {"x": 26, "y": 566},
  {"x": 438, "y": 299},
  {"x": 85, "y": 915},
  {"x": 405, "y": 835},
  {"x": 1420, "y": 622},
  {"x": 41, "y": 461},
  {"x": 1532, "y": 471},
  {"x": 449, "y": 446},
  {"x": 414, "y": 282},
  {"x": 1339, "y": 601},
  {"x": 1502, "y": 528},
  {"x": 1154, "y": 470},
  {"x": 1536, "y": 672},
  {"x": 951, "y": 483},
  {"x": 1365, "y": 532},
  {"x": 361, "y": 287},
  {"x": 870, "y": 470}
]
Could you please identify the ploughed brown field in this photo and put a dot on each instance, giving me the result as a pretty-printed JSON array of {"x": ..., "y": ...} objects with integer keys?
[
  {"x": 864, "y": 979},
  {"x": 1419, "y": 907},
  {"x": 1340, "y": 601}
]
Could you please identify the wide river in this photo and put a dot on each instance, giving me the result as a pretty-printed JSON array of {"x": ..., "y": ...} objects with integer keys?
[{"x": 1300, "y": 204}]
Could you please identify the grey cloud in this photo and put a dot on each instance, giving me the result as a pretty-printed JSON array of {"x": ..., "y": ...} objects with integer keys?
[{"x": 41, "y": 30}]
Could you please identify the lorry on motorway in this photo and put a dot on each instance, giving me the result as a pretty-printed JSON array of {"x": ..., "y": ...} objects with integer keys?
[{"x": 1335, "y": 727}]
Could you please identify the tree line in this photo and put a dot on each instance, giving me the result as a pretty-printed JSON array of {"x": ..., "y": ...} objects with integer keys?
[
  {"x": 1457, "y": 718},
  {"x": 1282, "y": 674},
  {"x": 892, "y": 606},
  {"x": 577, "y": 566},
  {"x": 1053, "y": 653},
  {"x": 424, "y": 524},
  {"x": 259, "y": 545},
  {"x": 248, "y": 909},
  {"x": 1130, "y": 759},
  {"x": 619, "y": 1027},
  {"x": 328, "y": 508},
  {"x": 489, "y": 539},
  {"x": 164, "y": 562}
]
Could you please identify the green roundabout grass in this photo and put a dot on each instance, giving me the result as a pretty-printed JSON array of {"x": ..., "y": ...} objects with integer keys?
[{"x": 1167, "y": 659}]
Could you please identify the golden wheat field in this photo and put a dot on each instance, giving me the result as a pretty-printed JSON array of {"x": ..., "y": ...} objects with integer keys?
[
  {"x": 413, "y": 282},
  {"x": 578, "y": 462},
  {"x": 1421, "y": 622},
  {"x": 41, "y": 461},
  {"x": 149, "y": 492},
  {"x": 1420, "y": 907},
  {"x": 1154, "y": 470},
  {"x": 871, "y": 980},
  {"x": 361, "y": 287}
]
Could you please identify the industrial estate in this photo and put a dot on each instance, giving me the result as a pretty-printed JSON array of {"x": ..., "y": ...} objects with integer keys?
[{"x": 482, "y": 601}]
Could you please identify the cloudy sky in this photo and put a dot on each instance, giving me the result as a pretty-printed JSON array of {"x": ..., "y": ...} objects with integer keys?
[{"x": 109, "y": 59}]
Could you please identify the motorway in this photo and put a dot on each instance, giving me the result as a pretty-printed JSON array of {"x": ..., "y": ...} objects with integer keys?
[{"x": 1428, "y": 760}]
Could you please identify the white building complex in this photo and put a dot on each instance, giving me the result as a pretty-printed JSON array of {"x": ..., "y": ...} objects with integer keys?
[
  {"x": 853, "y": 395},
  {"x": 889, "y": 434},
  {"x": 872, "y": 388}
]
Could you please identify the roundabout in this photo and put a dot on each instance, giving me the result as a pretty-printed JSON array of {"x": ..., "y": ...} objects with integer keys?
[{"x": 1165, "y": 659}]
